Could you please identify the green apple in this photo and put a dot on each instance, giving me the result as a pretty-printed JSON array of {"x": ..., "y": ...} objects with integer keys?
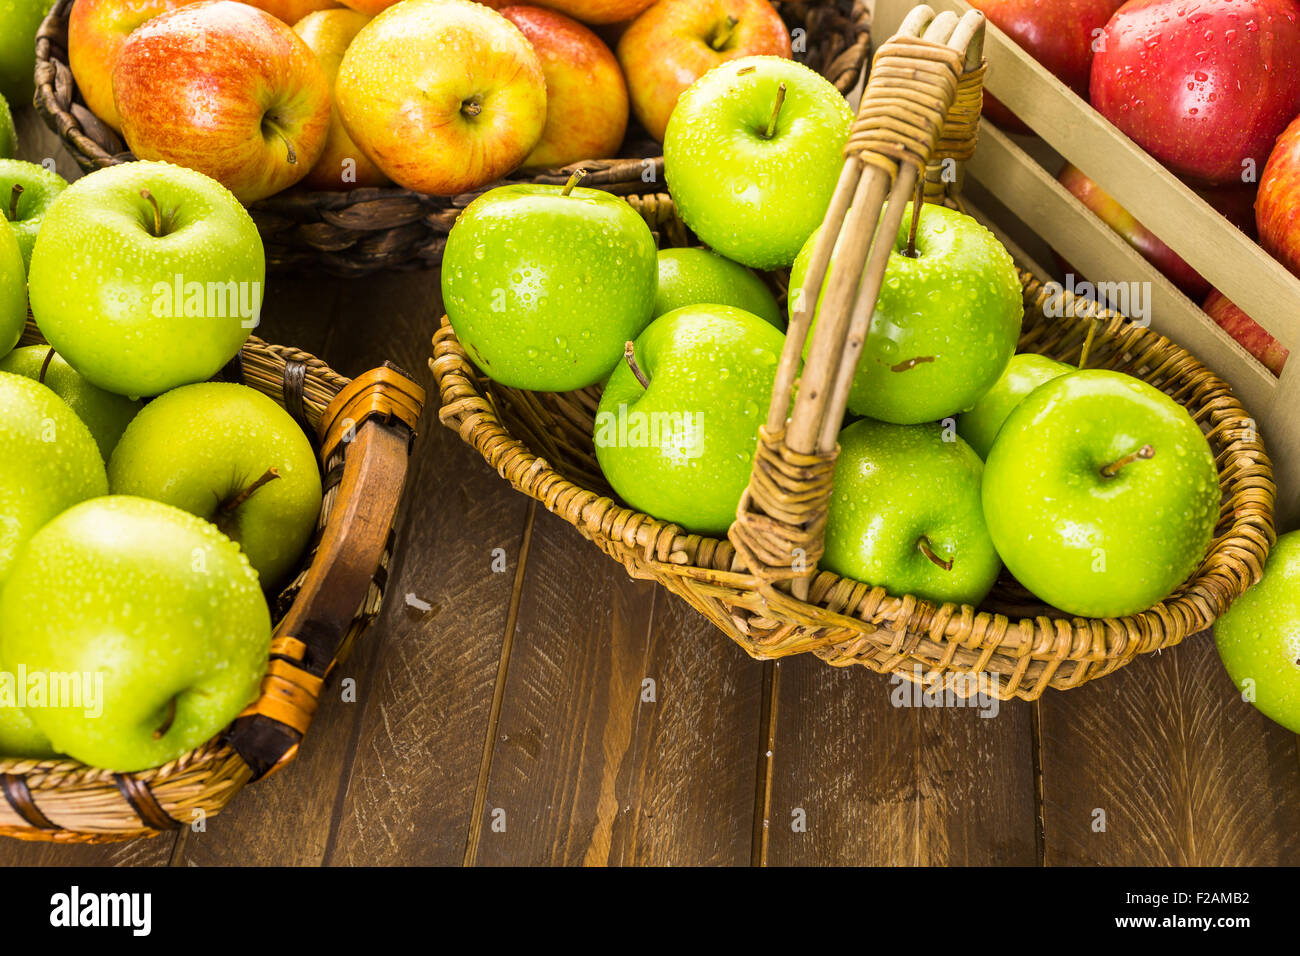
[
  {"x": 946, "y": 322},
  {"x": 905, "y": 513},
  {"x": 700, "y": 277},
  {"x": 19, "y": 21},
  {"x": 229, "y": 454},
  {"x": 544, "y": 284},
  {"x": 1024, "y": 373},
  {"x": 1259, "y": 636},
  {"x": 19, "y": 737},
  {"x": 752, "y": 154},
  {"x": 13, "y": 291},
  {"x": 680, "y": 446},
  {"x": 104, "y": 413},
  {"x": 147, "y": 276},
  {"x": 1101, "y": 493},
  {"x": 8, "y": 132},
  {"x": 27, "y": 190},
  {"x": 158, "y": 606},
  {"x": 48, "y": 462}
]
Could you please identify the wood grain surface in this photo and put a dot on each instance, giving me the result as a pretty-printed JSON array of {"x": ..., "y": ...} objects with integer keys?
[{"x": 547, "y": 709}]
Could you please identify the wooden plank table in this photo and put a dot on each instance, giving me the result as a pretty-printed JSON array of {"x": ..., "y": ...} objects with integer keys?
[{"x": 548, "y": 710}]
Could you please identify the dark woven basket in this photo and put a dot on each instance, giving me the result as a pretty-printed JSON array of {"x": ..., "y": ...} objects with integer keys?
[
  {"x": 362, "y": 431},
  {"x": 366, "y": 230}
]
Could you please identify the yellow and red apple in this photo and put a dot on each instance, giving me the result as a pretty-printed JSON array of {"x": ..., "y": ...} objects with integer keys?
[
  {"x": 228, "y": 90},
  {"x": 1249, "y": 334},
  {"x": 97, "y": 31},
  {"x": 291, "y": 11},
  {"x": 597, "y": 11},
  {"x": 586, "y": 98},
  {"x": 1277, "y": 207},
  {"x": 342, "y": 165},
  {"x": 675, "y": 42},
  {"x": 444, "y": 96}
]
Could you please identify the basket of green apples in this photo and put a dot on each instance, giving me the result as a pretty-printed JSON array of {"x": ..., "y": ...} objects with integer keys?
[
  {"x": 194, "y": 523},
  {"x": 942, "y": 469},
  {"x": 357, "y": 133}
]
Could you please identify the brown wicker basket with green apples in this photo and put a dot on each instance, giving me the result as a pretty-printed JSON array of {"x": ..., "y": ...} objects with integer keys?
[
  {"x": 370, "y": 224},
  {"x": 361, "y": 431},
  {"x": 1165, "y": 491}
]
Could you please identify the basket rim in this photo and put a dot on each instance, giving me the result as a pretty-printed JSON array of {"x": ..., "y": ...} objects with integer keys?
[{"x": 467, "y": 405}]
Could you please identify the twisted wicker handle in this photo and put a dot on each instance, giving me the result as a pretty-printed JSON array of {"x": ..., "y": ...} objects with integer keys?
[
  {"x": 370, "y": 423},
  {"x": 921, "y": 104}
]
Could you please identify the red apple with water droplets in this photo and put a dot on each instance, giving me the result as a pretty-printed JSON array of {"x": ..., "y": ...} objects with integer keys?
[{"x": 1204, "y": 86}]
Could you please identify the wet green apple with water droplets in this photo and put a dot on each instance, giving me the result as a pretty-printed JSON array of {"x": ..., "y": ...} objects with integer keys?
[
  {"x": 48, "y": 462},
  {"x": 1101, "y": 493},
  {"x": 702, "y": 277},
  {"x": 680, "y": 446},
  {"x": 106, "y": 414},
  {"x": 905, "y": 513},
  {"x": 19, "y": 21},
  {"x": 24, "y": 208},
  {"x": 544, "y": 284},
  {"x": 146, "y": 276},
  {"x": 13, "y": 291},
  {"x": 946, "y": 322},
  {"x": 752, "y": 154},
  {"x": 1024, "y": 373},
  {"x": 158, "y": 604},
  {"x": 8, "y": 133}
]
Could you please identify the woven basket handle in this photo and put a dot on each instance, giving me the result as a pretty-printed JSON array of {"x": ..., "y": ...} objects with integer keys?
[
  {"x": 921, "y": 104},
  {"x": 369, "y": 425}
]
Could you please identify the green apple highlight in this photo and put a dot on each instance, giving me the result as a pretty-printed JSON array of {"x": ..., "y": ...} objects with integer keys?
[
  {"x": 675, "y": 436},
  {"x": 106, "y": 414},
  {"x": 19, "y": 21},
  {"x": 48, "y": 462},
  {"x": 1101, "y": 494},
  {"x": 906, "y": 515},
  {"x": 752, "y": 154},
  {"x": 700, "y": 277},
  {"x": 13, "y": 291},
  {"x": 544, "y": 284},
  {"x": 1024, "y": 373},
  {"x": 8, "y": 133},
  {"x": 1259, "y": 637},
  {"x": 27, "y": 191},
  {"x": 946, "y": 322},
  {"x": 231, "y": 455},
  {"x": 159, "y": 604},
  {"x": 146, "y": 276}
]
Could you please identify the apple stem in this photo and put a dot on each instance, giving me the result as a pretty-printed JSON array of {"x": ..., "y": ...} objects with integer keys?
[
  {"x": 724, "y": 33},
  {"x": 923, "y": 543},
  {"x": 629, "y": 354},
  {"x": 168, "y": 719},
  {"x": 578, "y": 176},
  {"x": 1111, "y": 470},
  {"x": 292, "y": 154},
  {"x": 157, "y": 213},
  {"x": 917, "y": 204},
  {"x": 14, "y": 195},
  {"x": 230, "y": 505},
  {"x": 776, "y": 112},
  {"x": 49, "y": 357}
]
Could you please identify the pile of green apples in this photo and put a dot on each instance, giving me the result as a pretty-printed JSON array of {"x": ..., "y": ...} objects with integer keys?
[
  {"x": 1098, "y": 492},
  {"x": 145, "y": 511}
]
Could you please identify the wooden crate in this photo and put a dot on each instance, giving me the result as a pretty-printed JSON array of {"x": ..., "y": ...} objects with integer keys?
[{"x": 1026, "y": 186}]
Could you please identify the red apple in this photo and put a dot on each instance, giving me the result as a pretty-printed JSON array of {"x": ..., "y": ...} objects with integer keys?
[
  {"x": 374, "y": 7},
  {"x": 1204, "y": 86},
  {"x": 1248, "y": 333},
  {"x": 1277, "y": 209},
  {"x": 341, "y": 165},
  {"x": 599, "y": 11},
  {"x": 586, "y": 98},
  {"x": 97, "y": 31},
  {"x": 675, "y": 42},
  {"x": 1059, "y": 35},
  {"x": 1134, "y": 233},
  {"x": 228, "y": 90},
  {"x": 291, "y": 11},
  {"x": 443, "y": 95}
]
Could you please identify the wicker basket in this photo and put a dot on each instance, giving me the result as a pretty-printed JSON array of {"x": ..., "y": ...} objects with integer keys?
[
  {"x": 748, "y": 585},
  {"x": 364, "y": 230},
  {"x": 362, "y": 431}
]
